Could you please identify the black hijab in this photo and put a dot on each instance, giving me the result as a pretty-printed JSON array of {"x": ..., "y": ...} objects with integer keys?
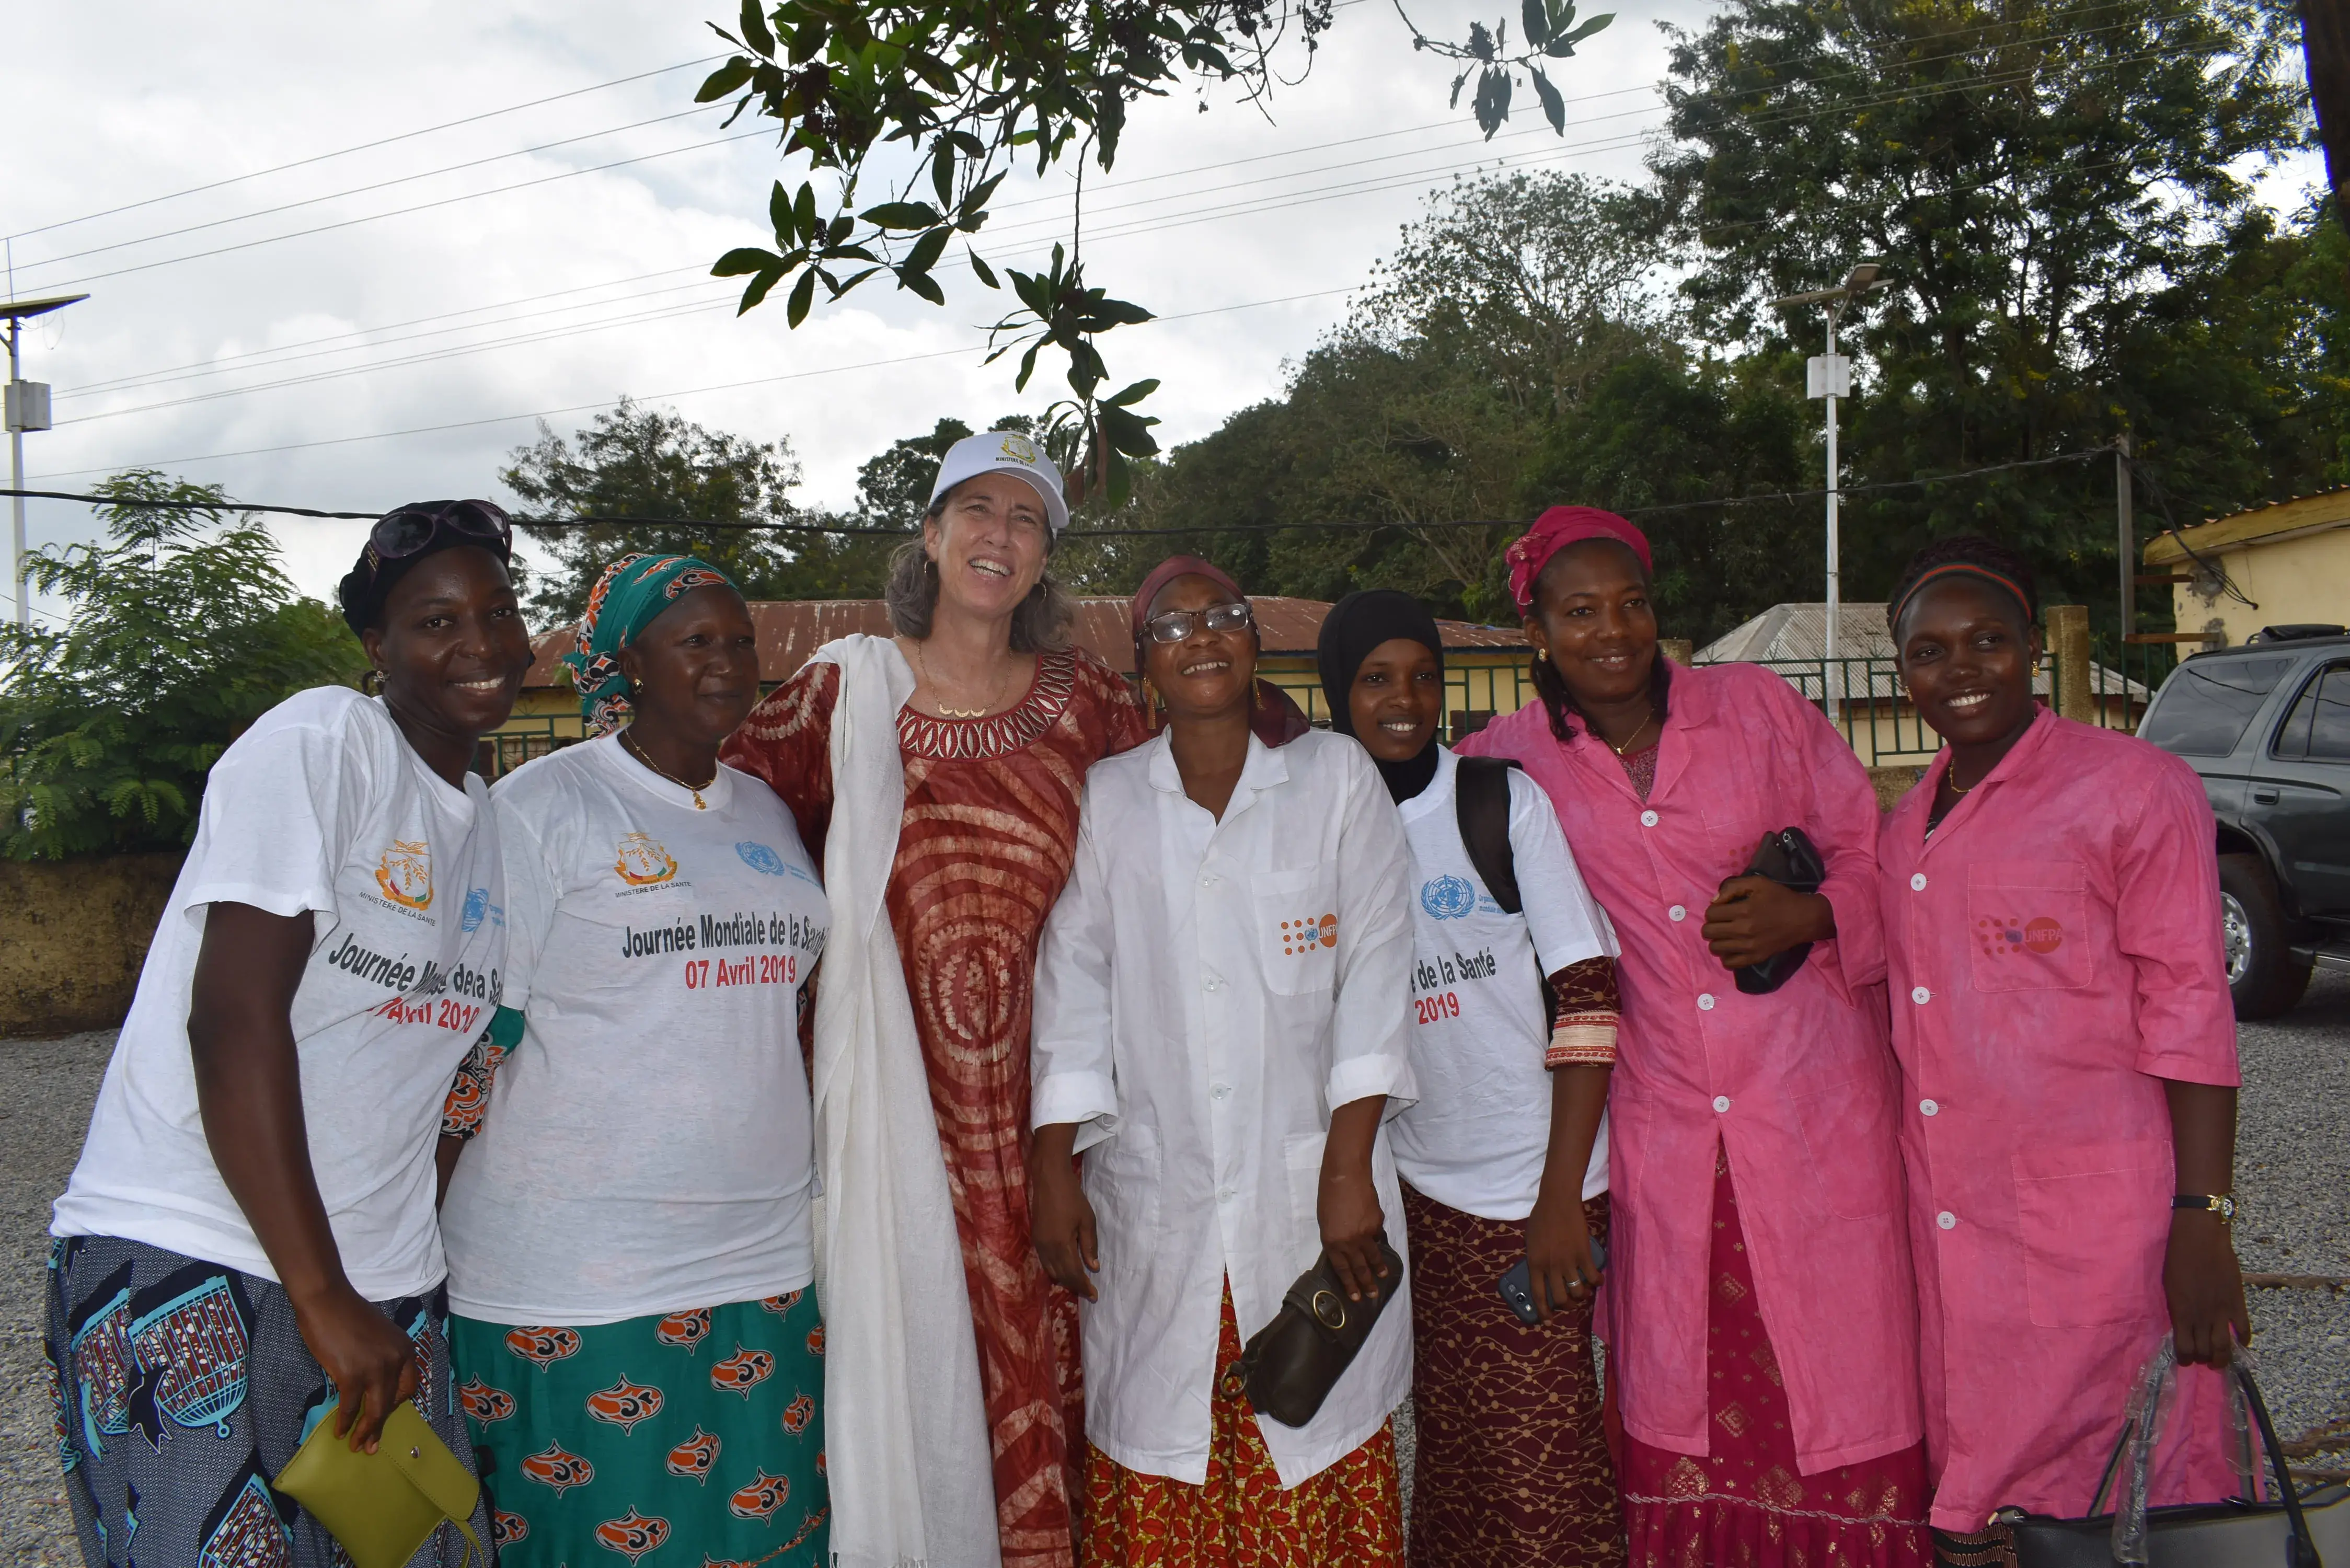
[{"x": 1355, "y": 626}]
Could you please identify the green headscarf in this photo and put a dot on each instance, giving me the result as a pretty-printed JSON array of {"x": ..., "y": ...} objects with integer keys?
[{"x": 631, "y": 592}]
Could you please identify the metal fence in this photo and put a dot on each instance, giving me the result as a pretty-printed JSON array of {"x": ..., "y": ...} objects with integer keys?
[{"x": 500, "y": 753}]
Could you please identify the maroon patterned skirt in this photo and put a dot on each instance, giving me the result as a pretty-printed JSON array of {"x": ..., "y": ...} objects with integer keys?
[
  {"x": 1512, "y": 1468},
  {"x": 1746, "y": 1504}
]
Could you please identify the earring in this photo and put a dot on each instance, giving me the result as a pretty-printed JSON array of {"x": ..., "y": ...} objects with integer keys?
[{"x": 371, "y": 683}]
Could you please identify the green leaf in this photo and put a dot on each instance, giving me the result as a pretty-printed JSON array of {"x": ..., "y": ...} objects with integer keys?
[
  {"x": 973, "y": 210},
  {"x": 981, "y": 270},
  {"x": 755, "y": 33},
  {"x": 927, "y": 250},
  {"x": 723, "y": 82},
  {"x": 745, "y": 259},
  {"x": 802, "y": 296},
  {"x": 1554, "y": 105},
  {"x": 1564, "y": 45},
  {"x": 942, "y": 158},
  {"x": 1536, "y": 21},
  {"x": 901, "y": 215},
  {"x": 779, "y": 215},
  {"x": 921, "y": 283},
  {"x": 1131, "y": 395},
  {"x": 1027, "y": 368},
  {"x": 804, "y": 221},
  {"x": 767, "y": 279}
]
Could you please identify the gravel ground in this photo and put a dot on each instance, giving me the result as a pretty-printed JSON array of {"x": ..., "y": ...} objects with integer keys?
[{"x": 2293, "y": 1167}]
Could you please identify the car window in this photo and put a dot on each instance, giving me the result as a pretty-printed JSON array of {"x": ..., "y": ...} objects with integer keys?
[
  {"x": 2318, "y": 728},
  {"x": 2206, "y": 704}
]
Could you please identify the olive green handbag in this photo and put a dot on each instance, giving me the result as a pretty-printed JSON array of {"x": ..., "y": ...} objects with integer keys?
[{"x": 382, "y": 1506}]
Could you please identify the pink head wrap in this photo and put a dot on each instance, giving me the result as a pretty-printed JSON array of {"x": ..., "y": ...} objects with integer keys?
[{"x": 1556, "y": 529}]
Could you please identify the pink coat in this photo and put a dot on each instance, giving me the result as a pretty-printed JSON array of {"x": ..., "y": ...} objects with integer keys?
[
  {"x": 1797, "y": 1085},
  {"x": 2055, "y": 954}
]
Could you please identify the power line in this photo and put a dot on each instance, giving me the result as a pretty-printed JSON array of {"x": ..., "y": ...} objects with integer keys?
[
  {"x": 363, "y": 146},
  {"x": 1342, "y": 525}
]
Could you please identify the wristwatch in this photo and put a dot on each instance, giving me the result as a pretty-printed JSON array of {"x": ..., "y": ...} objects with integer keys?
[{"x": 2216, "y": 1203}]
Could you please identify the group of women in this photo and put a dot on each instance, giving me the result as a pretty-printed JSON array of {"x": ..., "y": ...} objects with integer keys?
[{"x": 525, "y": 1103}]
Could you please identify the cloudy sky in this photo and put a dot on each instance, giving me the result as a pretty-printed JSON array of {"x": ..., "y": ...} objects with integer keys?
[
  {"x": 344, "y": 256},
  {"x": 348, "y": 329}
]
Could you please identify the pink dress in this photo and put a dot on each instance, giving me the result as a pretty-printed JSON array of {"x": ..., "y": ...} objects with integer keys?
[
  {"x": 1791, "y": 1094},
  {"x": 2055, "y": 955}
]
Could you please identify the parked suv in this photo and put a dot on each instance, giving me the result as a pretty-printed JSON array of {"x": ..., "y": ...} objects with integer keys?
[{"x": 2268, "y": 726}]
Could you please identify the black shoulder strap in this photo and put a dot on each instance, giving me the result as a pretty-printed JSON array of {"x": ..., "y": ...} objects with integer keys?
[{"x": 1481, "y": 795}]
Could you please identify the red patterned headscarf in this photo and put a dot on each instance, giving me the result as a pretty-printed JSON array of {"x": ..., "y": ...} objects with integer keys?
[
  {"x": 1556, "y": 529},
  {"x": 1275, "y": 716}
]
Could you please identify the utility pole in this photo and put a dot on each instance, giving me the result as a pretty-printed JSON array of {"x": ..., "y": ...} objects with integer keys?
[
  {"x": 2126, "y": 533},
  {"x": 27, "y": 409},
  {"x": 1829, "y": 377}
]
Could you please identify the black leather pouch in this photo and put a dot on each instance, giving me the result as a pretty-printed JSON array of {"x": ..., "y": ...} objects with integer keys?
[
  {"x": 1290, "y": 1365},
  {"x": 1790, "y": 859}
]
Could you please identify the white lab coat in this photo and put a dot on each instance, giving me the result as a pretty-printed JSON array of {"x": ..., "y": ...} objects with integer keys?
[{"x": 1208, "y": 991}]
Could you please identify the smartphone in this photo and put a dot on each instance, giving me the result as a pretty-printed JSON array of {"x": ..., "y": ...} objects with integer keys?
[{"x": 1516, "y": 1284}]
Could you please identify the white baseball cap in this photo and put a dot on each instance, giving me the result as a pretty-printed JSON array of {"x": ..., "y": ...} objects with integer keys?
[{"x": 1005, "y": 452}]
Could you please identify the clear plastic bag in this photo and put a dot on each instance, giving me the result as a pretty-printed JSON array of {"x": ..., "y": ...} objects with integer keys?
[{"x": 2151, "y": 1397}]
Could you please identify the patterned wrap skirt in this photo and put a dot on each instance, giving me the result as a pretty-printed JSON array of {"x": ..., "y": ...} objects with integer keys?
[
  {"x": 1349, "y": 1516},
  {"x": 1512, "y": 1469},
  {"x": 182, "y": 1386},
  {"x": 1747, "y": 1504},
  {"x": 700, "y": 1431}
]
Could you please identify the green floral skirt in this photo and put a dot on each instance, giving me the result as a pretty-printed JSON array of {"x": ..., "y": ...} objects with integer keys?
[{"x": 693, "y": 1439}]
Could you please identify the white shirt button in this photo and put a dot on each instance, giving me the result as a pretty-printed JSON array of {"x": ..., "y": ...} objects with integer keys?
[
  {"x": 1928, "y": 1108},
  {"x": 1207, "y": 881},
  {"x": 1946, "y": 1220},
  {"x": 1226, "y": 1194},
  {"x": 1648, "y": 819},
  {"x": 1705, "y": 1002},
  {"x": 1222, "y": 1091},
  {"x": 1722, "y": 1102},
  {"x": 1213, "y": 983},
  {"x": 1920, "y": 995},
  {"x": 1917, "y": 882},
  {"x": 1678, "y": 912}
]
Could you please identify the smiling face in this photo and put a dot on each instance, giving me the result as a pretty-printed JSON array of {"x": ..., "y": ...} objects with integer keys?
[
  {"x": 1967, "y": 653},
  {"x": 696, "y": 666},
  {"x": 1593, "y": 622},
  {"x": 1397, "y": 700},
  {"x": 989, "y": 542},
  {"x": 1208, "y": 673},
  {"x": 451, "y": 644}
]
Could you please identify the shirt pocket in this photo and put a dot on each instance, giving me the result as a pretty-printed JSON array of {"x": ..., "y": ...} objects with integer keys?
[
  {"x": 1848, "y": 1129},
  {"x": 2028, "y": 925},
  {"x": 1735, "y": 822},
  {"x": 1298, "y": 930},
  {"x": 2093, "y": 1220},
  {"x": 1122, "y": 1179}
]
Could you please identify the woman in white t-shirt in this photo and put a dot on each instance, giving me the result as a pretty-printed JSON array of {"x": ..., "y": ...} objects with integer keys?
[
  {"x": 1504, "y": 1155},
  {"x": 247, "y": 1245},
  {"x": 629, "y": 1225}
]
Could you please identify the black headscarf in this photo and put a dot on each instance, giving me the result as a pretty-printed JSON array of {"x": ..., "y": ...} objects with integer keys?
[{"x": 1355, "y": 626}]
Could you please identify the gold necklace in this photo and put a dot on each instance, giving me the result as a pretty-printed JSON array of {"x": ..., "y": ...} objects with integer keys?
[
  {"x": 944, "y": 712},
  {"x": 638, "y": 751},
  {"x": 1634, "y": 735}
]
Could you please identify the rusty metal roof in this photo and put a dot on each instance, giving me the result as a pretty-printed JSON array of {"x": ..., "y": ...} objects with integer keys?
[{"x": 791, "y": 630}]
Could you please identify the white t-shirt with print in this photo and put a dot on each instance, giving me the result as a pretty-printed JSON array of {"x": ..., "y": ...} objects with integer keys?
[
  {"x": 1478, "y": 1136},
  {"x": 322, "y": 807},
  {"x": 648, "y": 1145}
]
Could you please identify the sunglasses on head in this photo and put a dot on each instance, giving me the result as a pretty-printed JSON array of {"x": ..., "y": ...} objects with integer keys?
[
  {"x": 409, "y": 529},
  {"x": 1177, "y": 625}
]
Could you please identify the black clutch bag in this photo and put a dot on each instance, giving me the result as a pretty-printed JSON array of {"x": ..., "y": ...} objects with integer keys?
[
  {"x": 1790, "y": 859},
  {"x": 1290, "y": 1365}
]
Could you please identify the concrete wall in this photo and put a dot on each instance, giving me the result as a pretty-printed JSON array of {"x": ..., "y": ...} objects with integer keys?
[
  {"x": 72, "y": 936},
  {"x": 2303, "y": 579}
]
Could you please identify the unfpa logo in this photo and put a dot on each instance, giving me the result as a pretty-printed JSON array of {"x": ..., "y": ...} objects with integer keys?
[
  {"x": 2007, "y": 938},
  {"x": 1303, "y": 936},
  {"x": 641, "y": 862}
]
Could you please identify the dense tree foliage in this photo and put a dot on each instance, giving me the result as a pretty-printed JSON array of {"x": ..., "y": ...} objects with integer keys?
[{"x": 182, "y": 629}]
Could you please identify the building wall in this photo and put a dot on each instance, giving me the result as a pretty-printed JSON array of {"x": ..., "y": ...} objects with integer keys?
[
  {"x": 73, "y": 935},
  {"x": 2301, "y": 579}
]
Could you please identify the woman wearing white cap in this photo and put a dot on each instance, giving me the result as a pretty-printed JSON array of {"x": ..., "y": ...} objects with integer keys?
[{"x": 936, "y": 774}]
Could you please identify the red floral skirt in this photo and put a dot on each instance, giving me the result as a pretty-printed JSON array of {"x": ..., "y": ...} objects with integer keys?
[
  {"x": 1349, "y": 1516},
  {"x": 1746, "y": 1504}
]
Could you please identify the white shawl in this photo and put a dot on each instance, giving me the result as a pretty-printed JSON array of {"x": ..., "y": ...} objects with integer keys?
[{"x": 906, "y": 1437}]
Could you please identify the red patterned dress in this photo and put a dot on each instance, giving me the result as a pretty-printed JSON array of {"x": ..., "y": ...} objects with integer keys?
[{"x": 990, "y": 826}]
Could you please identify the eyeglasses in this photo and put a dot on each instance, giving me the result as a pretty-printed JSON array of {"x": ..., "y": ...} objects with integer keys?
[
  {"x": 409, "y": 529},
  {"x": 1177, "y": 625}
]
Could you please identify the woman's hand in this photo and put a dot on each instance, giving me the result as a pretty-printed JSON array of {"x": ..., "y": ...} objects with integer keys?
[
  {"x": 1753, "y": 918},
  {"x": 1347, "y": 1206},
  {"x": 1561, "y": 1271},
  {"x": 1060, "y": 1217},
  {"x": 373, "y": 1363},
  {"x": 2205, "y": 1287}
]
